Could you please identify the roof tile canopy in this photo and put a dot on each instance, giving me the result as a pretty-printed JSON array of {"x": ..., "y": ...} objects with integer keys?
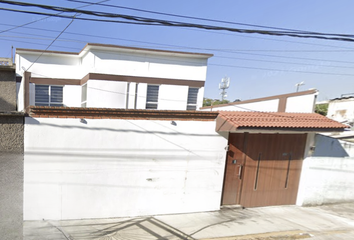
[{"x": 232, "y": 121}]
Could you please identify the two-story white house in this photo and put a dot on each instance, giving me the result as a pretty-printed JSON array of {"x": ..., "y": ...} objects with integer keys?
[{"x": 111, "y": 76}]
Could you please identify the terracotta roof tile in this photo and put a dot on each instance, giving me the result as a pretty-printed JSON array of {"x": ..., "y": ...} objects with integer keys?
[{"x": 279, "y": 120}]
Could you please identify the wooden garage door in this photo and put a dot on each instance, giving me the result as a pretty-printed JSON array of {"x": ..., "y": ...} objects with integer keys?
[{"x": 267, "y": 167}]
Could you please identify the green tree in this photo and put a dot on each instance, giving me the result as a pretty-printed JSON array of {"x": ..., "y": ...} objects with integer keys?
[
  {"x": 322, "y": 109},
  {"x": 213, "y": 102}
]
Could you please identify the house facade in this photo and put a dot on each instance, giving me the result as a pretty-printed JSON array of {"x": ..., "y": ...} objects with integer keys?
[
  {"x": 342, "y": 110},
  {"x": 108, "y": 134},
  {"x": 110, "y": 76}
]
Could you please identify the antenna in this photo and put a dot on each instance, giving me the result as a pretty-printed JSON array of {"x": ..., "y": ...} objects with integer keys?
[
  {"x": 297, "y": 85},
  {"x": 225, "y": 83}
]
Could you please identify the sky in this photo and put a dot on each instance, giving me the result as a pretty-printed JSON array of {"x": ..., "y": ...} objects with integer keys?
[{"x": 257, "y": 65}]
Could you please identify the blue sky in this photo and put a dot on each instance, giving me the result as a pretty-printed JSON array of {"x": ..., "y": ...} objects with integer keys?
[{"x": 258, "y": 65}]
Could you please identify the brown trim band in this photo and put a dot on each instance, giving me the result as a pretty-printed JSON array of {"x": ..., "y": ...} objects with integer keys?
[
  {"x": 110, "y": 46},
  {"x": 118, "y": 78},
  {"x": 148, "y": 80},
  {"x": 112, "y": 113},
  {"x": 282, "y": 104},
  {"x": 265, "y": 98},
  {"x": 27, "y": 77},
  {"x": 55, "y": 81}
]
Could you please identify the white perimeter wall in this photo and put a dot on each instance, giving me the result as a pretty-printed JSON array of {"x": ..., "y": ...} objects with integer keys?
[
  {"x": 326, "y": 180},
  {"x": 268, "y": 106},
  {"x": 113, "y": 168},
  {"x": 303, "y": 104}
]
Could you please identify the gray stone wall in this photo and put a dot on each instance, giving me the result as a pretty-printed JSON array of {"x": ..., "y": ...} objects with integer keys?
[
  {"x": 7, "y": 88},
  {"x": 11, "y": 176}
]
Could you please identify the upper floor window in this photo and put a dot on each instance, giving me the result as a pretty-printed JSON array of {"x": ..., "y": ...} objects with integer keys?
[
  {"x": 192, "y": 98},
  {"x": 48, "y": 95},
  {"x": 152, "y": 96}
]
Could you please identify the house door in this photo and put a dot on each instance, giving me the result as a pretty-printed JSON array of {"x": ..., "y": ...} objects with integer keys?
[
  {"x": 233, "y": 172},
  {"x": 270, "y": 169}
]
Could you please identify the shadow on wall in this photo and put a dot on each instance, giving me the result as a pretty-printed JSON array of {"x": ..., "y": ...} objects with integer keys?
[
  {"x": 5, "y": 105},
  {"x": 328, "y": 147}
]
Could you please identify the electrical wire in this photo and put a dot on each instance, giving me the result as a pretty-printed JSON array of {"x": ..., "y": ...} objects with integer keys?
[
  {"x": 130, "y": 19},
  {"x": 50, "y": 44},
  {"x": 185, "y": 47},
  {"x": 223, "y": 57},
  {"x": 56, "y": 38},
  {"x": 167, "y": 45},
  {"x": 282, "y": 70},
  {"x": 293, "y": 63},
  {"x": 244, "y": 67},
  {"x": 189, "y": 17},
  {"x": 38, "y": 20},
  {"x": 35, "y": 43}
]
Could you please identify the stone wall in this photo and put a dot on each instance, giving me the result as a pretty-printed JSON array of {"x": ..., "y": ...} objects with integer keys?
[
  {"x": 7, "y": 88},
  {"x": 11, "y": 156},
  {"x": 11, "y": 176}
]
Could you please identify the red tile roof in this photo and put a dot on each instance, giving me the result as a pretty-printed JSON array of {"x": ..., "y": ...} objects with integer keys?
[{"x": 228, "y": 120}]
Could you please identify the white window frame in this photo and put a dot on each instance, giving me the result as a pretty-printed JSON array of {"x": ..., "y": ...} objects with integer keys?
[
  {"x": 83, "y": 101},
  {"x": 49, "y": 103},
  {"x": 192, "y": 105}
]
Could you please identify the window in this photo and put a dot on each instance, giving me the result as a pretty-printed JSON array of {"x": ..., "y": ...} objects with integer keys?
[
  {"x": 84, "y": 95},
  {"x": 47, "y": 95},
  {"x": 192, "y": 98},
  {"x": 152, "y": 96}
]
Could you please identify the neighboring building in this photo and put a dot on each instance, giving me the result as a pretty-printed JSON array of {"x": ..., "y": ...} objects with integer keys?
[
  {"x": 110, "y": 76},
  {"x": 11, "y": 155},
  {"x": 7, "y": 85},
  {"x": 342, "y": 110},
  {"x": 303, "y": 102}
]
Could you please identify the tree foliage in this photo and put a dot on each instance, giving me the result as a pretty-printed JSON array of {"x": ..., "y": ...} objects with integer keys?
[
  {"x": 213, "y": 102},
  {"x": 322, "y": 109}
]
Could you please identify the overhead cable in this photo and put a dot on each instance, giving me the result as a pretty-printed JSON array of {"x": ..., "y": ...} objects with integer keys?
[{"x": 130, "y": 19}]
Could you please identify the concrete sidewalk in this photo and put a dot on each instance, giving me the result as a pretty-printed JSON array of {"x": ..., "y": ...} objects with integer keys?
[{"x": 280, "y": 222}]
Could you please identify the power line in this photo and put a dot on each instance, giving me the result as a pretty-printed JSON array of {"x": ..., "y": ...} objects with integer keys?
[
  {"x": 50, "y": 44},
  {"x": 35, "y": 43},
  {"x": 255, "y": 68},
  {"x": 19, "y": 26},
  {"x": 292, "y": 57},
  {"x": 190, "y": 17},
  {"x": 129, "y": 19},
  {"x": 56, "y": 38},
  {"x": 282, "y": 70},
  {"x": 167, "y": 45},
  {"x": 178, "y": 46},
  {"x": 267, "y": 61}
]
